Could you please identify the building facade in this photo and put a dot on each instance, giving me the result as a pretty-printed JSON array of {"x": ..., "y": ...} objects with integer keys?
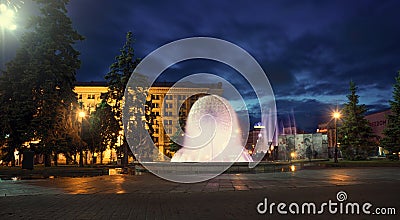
[
  {"x": 90, "y": 94},
  {"x": 378, "y": 122},
  {"x": 169, "y": 105}
]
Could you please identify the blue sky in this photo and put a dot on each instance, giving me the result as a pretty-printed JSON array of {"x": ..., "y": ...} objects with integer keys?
[{"x": 310, "y": 50}]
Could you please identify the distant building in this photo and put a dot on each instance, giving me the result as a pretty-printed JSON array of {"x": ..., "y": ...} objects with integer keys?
[
  {"x": 378, "y": 122},
  {"x": 166, "y": 124},
  {"x": 302, "y": 146},
  {"x": 90, "y": 94},
  {"x": 328, "y": 128}
]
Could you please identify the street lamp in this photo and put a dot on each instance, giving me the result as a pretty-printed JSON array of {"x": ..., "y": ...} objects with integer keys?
[
  {"x": 292, "y": 156},
  {"x": 7, "y": 17},
  {"x": 82, "y": 114},
  {"x": 336, "y": 115}
]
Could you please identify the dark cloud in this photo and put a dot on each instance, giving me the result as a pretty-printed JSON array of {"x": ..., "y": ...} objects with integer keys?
[{"x": 310, "y": 50}]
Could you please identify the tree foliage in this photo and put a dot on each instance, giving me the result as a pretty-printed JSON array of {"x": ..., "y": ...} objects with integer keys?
[
  {"x": 117, "y": 79},
  {"x": 41, "y": 78},
  {"x": 139, "y": 126},
  {"x": 103, "y": 129},
  {"x": 355, "y": 133},
  {"x": 173, "y": 146},
  {"x": 391, "y": 141}
]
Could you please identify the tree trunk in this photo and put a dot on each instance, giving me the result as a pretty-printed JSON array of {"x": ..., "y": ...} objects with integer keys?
[
  {"x": 12, "y": 160},
  {"x": 47, "y": 160},
  {"x": 80, "y": 158},
  {"x": 101, "y": 157},
  {"x": 67, "y": 159},
  {"x": 93, "y": 158},
  {"x": 125, "y": 159},
  {"x": 55, "y": 158}
]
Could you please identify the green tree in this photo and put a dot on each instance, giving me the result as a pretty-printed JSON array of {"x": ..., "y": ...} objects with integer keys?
[
  {"x": 117, "y": 79},
  {"x": 178, "y": 135},
  {"x": 47, "y": 62},
  {"x": 137, "y": 108},
  {"x": 391, "y": 141},
  {"x": 16, "y": 112},
  {"x": 355, "y": 133},
  {"x": 104, "y": 129},
  {"x": 173, "y": 146}
]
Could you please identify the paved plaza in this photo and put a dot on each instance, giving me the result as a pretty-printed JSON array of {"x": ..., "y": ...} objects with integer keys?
[{"x": 229, "y": 196}]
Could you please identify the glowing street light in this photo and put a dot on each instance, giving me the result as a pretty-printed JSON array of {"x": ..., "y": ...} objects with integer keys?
[
  {"x": 82, "y": 114},
  {"x": 336, "y": 115},
  {"x": 7, "y": 17}
]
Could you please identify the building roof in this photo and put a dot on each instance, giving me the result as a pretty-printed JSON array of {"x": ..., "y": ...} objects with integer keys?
[
  {"x": 159, "y": 84},
  {"x": 91, "y": 83},
  {"x": 386, "y": 111}
]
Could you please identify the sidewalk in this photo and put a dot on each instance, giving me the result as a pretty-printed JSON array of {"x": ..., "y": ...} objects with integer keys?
[{"x": 229, "y": 196}]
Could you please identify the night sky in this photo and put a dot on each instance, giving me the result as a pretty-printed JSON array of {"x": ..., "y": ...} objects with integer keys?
[{"x": 310, "y": 50}]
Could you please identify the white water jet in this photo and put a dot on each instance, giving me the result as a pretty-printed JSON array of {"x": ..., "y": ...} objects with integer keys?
[{"x": 212, "y": 133}]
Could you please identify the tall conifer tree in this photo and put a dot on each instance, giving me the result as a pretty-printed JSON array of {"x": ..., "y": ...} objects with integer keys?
[
  {"x": 355, "y": 133},
  {"x": 391, "y": 141},
  {"x": 46, "y": 63}
]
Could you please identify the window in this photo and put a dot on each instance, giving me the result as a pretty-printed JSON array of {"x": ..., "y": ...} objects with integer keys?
[
  {"x": 80, "y": 96},
  {"x": 167, "y": 122},
  {"x": 91, "y": 96},
  {"x": 168, "y": 130}
]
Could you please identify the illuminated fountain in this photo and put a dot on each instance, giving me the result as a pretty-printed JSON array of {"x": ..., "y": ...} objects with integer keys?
[{"x": 212, "y": 133}]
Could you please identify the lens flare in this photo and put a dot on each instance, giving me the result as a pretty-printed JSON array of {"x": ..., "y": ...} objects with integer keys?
[
  {"x": 15, "y": 5},
  {"x": 7, "y": 17}
]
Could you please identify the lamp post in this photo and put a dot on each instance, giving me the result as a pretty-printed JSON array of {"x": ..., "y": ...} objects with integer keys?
[
  {"x": 336, "y": 115},
  {"x": 81, "y": 115}
]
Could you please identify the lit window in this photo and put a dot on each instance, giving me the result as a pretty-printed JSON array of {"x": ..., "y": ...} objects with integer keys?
[{"x": 90, "y": 96}]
